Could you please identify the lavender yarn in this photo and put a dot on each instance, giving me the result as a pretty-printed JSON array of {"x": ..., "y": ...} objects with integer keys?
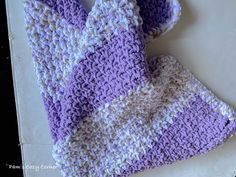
[{"x": 112, "y": 111}]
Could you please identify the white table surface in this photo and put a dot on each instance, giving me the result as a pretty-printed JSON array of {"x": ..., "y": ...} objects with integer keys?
[{"x": 204, "y": 41}]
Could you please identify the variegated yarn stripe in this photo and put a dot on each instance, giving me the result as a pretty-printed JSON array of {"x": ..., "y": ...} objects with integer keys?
[
  {"x": 69, "y": 45},
  {"x": 112, "y": 111},
  {"x": 102, "y": 139}
]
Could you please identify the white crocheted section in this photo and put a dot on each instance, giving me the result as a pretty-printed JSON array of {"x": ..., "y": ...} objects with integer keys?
[
  {"x": 129, "y": 124},
  {"x": 58, "y": 46},
  {"x": 49, "y": 37}
]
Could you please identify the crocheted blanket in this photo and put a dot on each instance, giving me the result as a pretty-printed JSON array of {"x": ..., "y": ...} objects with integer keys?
[{"x": 111, "y": 110}]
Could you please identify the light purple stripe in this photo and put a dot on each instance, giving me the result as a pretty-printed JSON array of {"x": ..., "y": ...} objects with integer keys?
[
  {"x": 113, "y": 70},
  {"x": 195, "y": 131}
]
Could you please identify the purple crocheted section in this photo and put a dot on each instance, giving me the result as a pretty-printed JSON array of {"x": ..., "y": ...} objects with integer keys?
[
  {"x": 154, "y": 13},
  {"x": 71, "y": 10},
  {"x": 111, "y": 71},
  {"x": 195, "y": 131}
]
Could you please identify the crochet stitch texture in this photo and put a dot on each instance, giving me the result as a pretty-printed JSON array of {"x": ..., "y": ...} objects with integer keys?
[{"x": 112, "y": 111}]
